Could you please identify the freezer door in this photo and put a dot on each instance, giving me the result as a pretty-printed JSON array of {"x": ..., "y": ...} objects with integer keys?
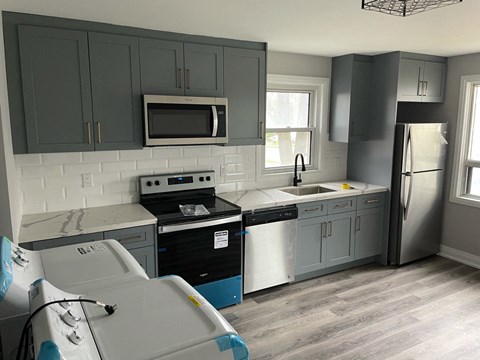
[
  {"x": 425, "y": 147},
  {"x": 421, "y": 208}
]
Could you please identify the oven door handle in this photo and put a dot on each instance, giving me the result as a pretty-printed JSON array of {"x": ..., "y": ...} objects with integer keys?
[{"x": 198, "y": 224}]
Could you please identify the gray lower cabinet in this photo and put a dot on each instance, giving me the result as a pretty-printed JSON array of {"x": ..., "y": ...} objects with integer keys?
[
  {"x": 139, "y": 241},
  {"x": 244, "y": 86},
  {"x": 334, "y": 232},
  {"x": 115, "y": 76},
  {"x": 339, "y": 238},
  {"x": 421, "y": 81},
  {"x": 55, "y": 74},
  {"x": 177, "y": 68},
  {"x": 369, "y": 232}
]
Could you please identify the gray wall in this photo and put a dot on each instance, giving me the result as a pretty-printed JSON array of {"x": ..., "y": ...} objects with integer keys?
[
  {"x": 297, "y": 64},
  {"x": 461, "y": 225}
]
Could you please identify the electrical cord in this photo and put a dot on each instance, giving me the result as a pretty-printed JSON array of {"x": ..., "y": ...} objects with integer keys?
[{"x": 110, "y": 309}]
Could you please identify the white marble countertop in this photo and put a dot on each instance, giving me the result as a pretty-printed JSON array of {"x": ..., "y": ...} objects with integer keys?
[
  {"x": 265, "y": 198},
  {"x": 83, "y": 221}
]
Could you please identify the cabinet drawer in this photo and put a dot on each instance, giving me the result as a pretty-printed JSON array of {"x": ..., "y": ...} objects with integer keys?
[
  {"x": 340, "y": 205},
  {"x": 312, "y": 209},
  {"x": 133, "y": 237},
  {"x": 370, "y": 201}
]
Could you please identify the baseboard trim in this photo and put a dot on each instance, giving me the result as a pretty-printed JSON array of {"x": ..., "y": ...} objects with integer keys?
[{"x": 460, "y": 256}]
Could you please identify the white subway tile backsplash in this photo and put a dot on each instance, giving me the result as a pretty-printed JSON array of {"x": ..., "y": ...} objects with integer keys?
[
  {"x": 51, "y": 182},
  {"x": 78, "y": 169},
  {"x": 167, "y": 152},
  {"x": 115, "y": 166},
  {"x": 29, "y": 172},
  {"x": 99, "y": 156},
  {"x": 28, "y": 159},
  {"x": 136, "y": 154},
  {"x": 61, "y": 158}
]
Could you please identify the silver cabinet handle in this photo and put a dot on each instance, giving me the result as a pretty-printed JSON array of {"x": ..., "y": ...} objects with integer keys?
[
  {"x": 99, "y": 132},
  {"x": 131, "y": 238},
  {"x": 341, "y": 206},
  {"x": 330, "y": 228},
  {"x": 419, "y": 83},
  {"x": 198, "y": 224},
  {"x": 324, "y": 230},
  {"x": 371, "y": 201},
  {"x": 187, "y": 80},
  {"x": 357, "y": 225},
  {"x": 426, "y": 87},
  {"x": 179, "y": 79},
  {"x": 314, "y": 209},
  {"x": 262, "y": 130},
  {"x": 215, "y": 121},
  {"x": 89, "y": 130}
]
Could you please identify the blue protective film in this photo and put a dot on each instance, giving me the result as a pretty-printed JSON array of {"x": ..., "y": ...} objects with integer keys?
[
  {"x": 6, "y": 277},
  {"x": 236, "y": 344}
]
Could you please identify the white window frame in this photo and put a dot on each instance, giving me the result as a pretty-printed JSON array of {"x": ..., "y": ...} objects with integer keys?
[
  {"x": 319, "y": 89},
  {"x": 462, "y": 142}
]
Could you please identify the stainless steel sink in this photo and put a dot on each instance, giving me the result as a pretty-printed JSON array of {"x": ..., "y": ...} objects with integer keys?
[{"x": 306, "y": 190}]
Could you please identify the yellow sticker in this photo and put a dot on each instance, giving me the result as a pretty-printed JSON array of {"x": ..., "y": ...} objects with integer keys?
[{"x": 196, "y": 301}]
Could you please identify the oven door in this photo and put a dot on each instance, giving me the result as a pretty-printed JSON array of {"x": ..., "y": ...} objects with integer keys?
[
  {"x": 201, "y": 252},
  {"x": 180, "y": 122}
]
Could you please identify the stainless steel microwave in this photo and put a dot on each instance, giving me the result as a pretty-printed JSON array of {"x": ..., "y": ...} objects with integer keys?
[{"x": 182, "y": 120}]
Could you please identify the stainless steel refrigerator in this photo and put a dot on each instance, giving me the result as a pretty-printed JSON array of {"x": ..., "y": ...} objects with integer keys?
[{"x": 417, "y": 187}]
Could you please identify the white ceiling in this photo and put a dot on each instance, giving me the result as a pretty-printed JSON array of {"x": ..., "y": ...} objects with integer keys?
[{"x": 316, "y": 27}]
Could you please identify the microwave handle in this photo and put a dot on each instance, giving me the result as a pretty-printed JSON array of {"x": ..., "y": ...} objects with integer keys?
[{"x": 215, "y": 121}]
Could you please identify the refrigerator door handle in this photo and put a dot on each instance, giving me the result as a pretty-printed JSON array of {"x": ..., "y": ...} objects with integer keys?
[{"x": 409, "y": 197}]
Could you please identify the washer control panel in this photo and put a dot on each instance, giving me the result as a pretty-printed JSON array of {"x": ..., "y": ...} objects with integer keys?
[
  {"x": 155, "y": 184},
  {"x": 63, "y": 323}
]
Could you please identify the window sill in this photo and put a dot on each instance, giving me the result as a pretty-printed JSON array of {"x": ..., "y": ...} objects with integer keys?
[{"x": 468, "y": 200}]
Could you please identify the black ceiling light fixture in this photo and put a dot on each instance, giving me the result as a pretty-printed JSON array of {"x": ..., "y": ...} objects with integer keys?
[{"x": 405, "y": 7}]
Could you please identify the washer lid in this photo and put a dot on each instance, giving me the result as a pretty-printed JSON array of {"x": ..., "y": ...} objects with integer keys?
[
  {"x": 89, "y": 266},
  {"x": 154, "y": 318}
]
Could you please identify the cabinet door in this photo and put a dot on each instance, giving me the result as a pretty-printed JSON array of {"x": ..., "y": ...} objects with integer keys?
[
  {"x": 340, "y": 239},
  {"x": 69, "y": 240},
  {"x": 203, "y": 70},
  {"x": 309, "y": 252},
  {"x": 56, "y": 89},
  {"x": 161, "y": 64},
  {"x": 368, "y": 232},
  {"x": 434, "y": 76},
  {"x": 409, "y": 77},
  {"x": 244, "y": 86},
  {"x": 146, "y": 258},
  {"x": 360, "y": 100},
  {"x": 114, "y": 61}
]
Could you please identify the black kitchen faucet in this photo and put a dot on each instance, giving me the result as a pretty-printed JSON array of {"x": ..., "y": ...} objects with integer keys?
[{"x": 297, "y": 177}]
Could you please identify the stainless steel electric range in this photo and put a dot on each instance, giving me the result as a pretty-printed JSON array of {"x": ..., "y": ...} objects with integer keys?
[{"x": 199, "y": 234}]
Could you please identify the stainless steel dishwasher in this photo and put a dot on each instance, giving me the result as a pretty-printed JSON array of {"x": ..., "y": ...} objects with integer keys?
[{"x": 270, "y": 236}]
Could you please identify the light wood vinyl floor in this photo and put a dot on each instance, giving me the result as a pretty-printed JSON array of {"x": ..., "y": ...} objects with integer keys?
[{"x": 426, "y": 310}]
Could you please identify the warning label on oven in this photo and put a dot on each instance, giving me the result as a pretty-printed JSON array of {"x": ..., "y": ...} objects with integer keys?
[{"x": 220, "y": 239}]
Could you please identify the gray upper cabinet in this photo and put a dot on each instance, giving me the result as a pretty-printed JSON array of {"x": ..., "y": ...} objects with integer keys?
[
  {"x": 421, "y": 81},
  {"x": 176, "y": 68},
  {"x": 350, "y": 98},
  {"x": 115, "y": 70},
  {"x": 244, "y": 86},
  {"x": 161, "y": 67},
  {"x": 203, "y": 66},
  {"x": 56, "y": 89}
]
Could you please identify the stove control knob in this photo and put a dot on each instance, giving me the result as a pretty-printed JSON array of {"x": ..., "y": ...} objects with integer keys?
[
  {"x": 157, "y": 182},
  {"x": 208, "y": 178},
  {"x": 75, "y": 337},
  {"x": 201, "y": 178},
  {"x": 20, "y": 260},
  {"x": 70, "y": 319},
  {"x": 149, "y": 183},
  {"x": 66, "y": 305}
]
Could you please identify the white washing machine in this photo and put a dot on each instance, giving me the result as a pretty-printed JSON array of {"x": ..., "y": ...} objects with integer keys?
[
  {"x": 75, "y": 268},
  {"x": 163, "y": 318}
]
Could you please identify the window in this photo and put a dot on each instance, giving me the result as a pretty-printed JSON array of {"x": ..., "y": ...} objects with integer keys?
[
  {"x": 466, "y": 176},
  {"x": 295, "y": 105}
]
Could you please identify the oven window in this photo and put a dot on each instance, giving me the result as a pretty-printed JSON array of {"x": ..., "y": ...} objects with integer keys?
[{"x": 178, "y": 120}]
